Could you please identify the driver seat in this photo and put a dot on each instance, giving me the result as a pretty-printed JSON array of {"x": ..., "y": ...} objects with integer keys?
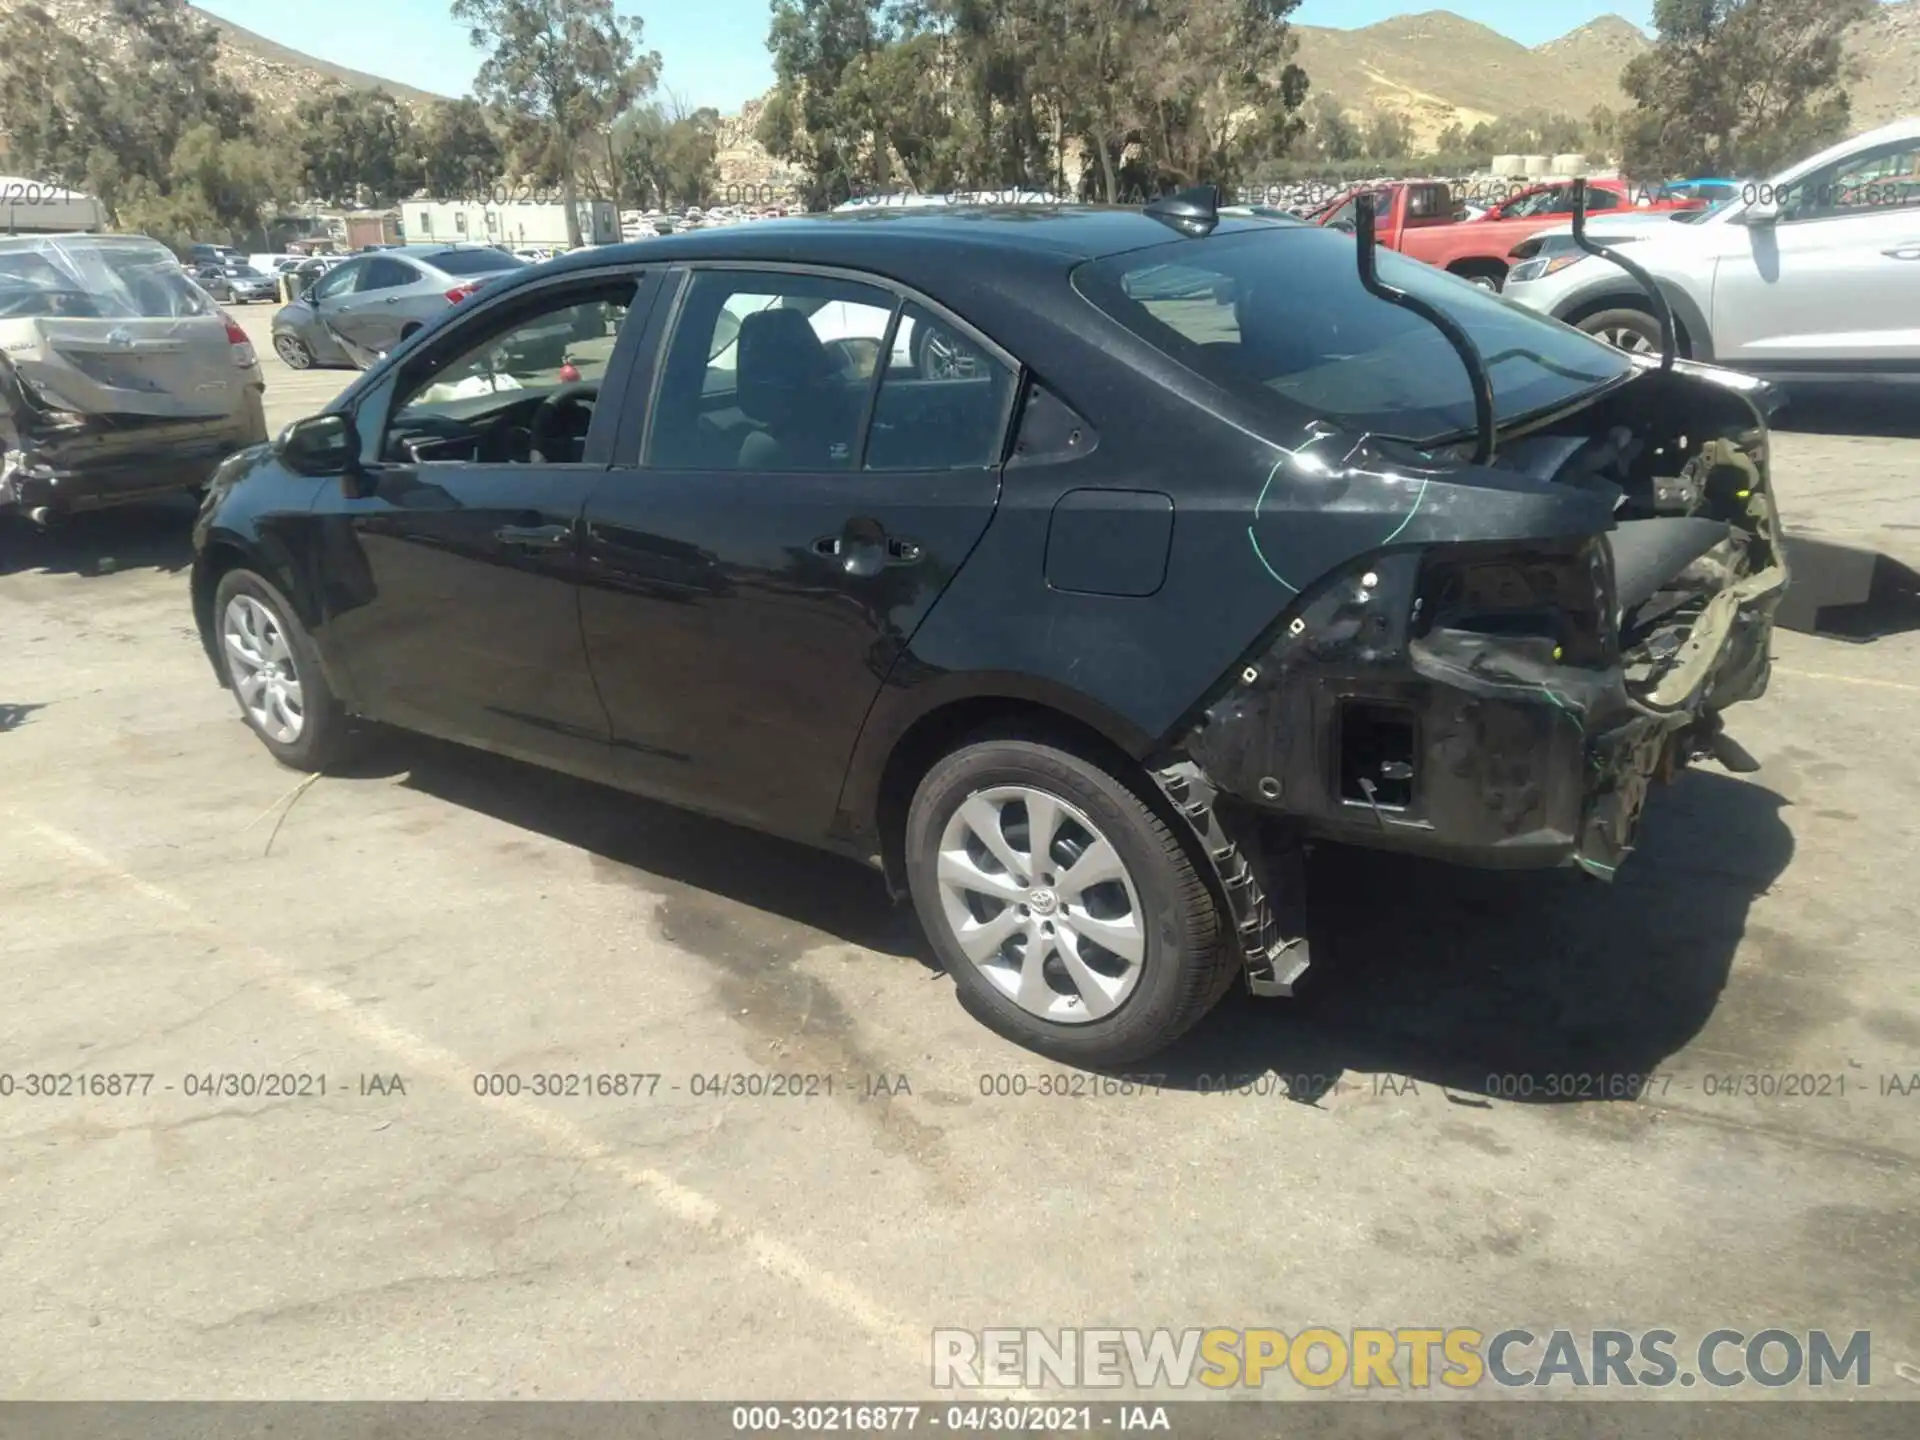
[{"x": 783, "y": 384}]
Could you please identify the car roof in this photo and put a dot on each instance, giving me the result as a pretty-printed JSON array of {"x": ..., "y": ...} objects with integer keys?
[{"x": 934, "y": 239}]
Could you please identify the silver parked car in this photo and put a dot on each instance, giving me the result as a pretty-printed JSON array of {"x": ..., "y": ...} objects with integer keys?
[
  {"x": 360, "y": 310},
  {"x": 120, "y": 377}
]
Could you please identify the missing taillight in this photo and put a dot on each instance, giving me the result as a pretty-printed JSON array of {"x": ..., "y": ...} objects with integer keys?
[{"x": 1376, "y": 754}]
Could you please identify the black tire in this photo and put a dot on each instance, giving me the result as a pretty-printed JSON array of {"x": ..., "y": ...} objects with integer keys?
[
  {"x": 1626, "y": 323},
  {"x": 325, "y": 735},
  {"x": 1486, "y": 277},
  {"x": 1187, "y": 964}
]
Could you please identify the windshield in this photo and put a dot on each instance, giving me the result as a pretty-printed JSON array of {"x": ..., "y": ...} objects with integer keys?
[
  {"x": 1281, "y": 315},
  {"x": 96, "y": 277},
  {"x": 476, "y": 262}
]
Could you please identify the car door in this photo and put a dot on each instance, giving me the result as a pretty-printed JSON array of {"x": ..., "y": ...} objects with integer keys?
[
  {"x": 1834, "y": 281},
  {"x": 369, "y": 319},
  {"x": 799, "y": 507},
  {"x": 453, "y": 560},
  {"x": 329, "y": 292}
]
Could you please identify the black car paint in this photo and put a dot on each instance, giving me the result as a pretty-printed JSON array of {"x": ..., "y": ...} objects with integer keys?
[{"x": 748, "y": 627}]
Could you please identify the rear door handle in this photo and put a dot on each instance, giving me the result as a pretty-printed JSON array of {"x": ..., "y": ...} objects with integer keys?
[
  {"x": 535, "y": 537},
  {"x": 1904, "y": 252},
  {"x": 828, "y": 546},
  {"x": 902, "y": 552}
]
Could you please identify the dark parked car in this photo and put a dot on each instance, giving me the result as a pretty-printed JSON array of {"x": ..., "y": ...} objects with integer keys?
[{"x": 1202, "y": 559}]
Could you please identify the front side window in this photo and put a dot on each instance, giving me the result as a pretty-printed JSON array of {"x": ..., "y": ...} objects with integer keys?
[
  {"x": 1874, "y": 182},
  {"x": 1281, "y": 318},
  {"x": 554, "y": 349},
  {"x": 339, "y": 281}
]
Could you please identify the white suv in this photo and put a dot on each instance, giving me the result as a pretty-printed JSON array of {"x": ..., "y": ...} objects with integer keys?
[{"x": 1811, "y": 276}]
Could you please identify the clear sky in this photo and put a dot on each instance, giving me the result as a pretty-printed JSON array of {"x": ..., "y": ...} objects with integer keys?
[{"x": 715, "y": 51}]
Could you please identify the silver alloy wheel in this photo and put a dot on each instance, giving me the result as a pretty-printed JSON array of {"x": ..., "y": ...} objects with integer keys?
[
  {"x": 264, "y": 675},
  {"x": 293, "y": 351},
  {"x": 1631, "y": 341},
  {"x": 944, "y": 358},
  {"x": 1041, "y": 903}
]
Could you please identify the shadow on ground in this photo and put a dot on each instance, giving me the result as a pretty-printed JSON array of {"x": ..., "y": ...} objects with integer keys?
[
  {"x": 1442, "y": 975},
  {"x": 1486, "y": 982},
  {"x": 153, "y": 535},
  {"x": 1861, "y": 410},
  {"x": 769, "y": 886}
]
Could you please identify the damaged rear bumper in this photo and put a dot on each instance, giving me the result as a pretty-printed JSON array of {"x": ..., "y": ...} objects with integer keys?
[
  {"x": 1359, "y": 724},
  {"x": 113, "y": 461}
]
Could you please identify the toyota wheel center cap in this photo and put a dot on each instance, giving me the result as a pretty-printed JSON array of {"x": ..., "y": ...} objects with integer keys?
[{"x": 1043, "y": 902}]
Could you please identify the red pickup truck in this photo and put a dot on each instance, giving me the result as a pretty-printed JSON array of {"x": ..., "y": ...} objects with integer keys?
[{"x": 1418, "y": 218}]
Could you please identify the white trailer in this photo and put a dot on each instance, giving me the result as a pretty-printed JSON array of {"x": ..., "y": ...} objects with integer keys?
[
  {"x": 515, "y": 225},
  {"x": 35, "y": 207}
]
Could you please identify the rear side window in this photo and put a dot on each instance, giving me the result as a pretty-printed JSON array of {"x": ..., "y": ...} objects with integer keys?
[
  {"x": 388, "y": 275},
  {"x": 945, "y": 408},
  {"x": 478, "y": 261}
]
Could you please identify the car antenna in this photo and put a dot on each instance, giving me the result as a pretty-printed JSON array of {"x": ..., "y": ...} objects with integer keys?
[
  {"x": 1662, "y": 311},
  {"x": 1462, "y": 343},
  {"x": 1192, "y": 212}
]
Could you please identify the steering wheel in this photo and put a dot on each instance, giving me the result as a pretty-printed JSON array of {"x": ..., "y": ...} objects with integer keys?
[{"x": 543, "y": 428}]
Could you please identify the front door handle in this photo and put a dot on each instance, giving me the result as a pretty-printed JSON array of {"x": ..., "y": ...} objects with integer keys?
[
  {"x": 829, "y": 546},
  {"x": 535, "y": 537},
  {"x": 1904, "y": 252},
  {"x": 902, "y": 552}
]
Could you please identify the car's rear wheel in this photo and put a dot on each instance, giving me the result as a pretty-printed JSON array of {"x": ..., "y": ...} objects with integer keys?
[
  {"x": 1634, "y": 331},
  {"x": 293, "y": 350},
  {"x": 1067, "y": 911},
  {"x": 274, "y": 673}
]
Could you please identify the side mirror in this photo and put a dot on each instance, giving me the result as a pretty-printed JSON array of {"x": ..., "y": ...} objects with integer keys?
[
  {"x": 320, "y": 445},
  {"x": 1762, "y": 212}
]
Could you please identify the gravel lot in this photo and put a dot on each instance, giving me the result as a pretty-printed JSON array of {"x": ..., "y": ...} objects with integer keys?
[{"x": 173, "y": 904}]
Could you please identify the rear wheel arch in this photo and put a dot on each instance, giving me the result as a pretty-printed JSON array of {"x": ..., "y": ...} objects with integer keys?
[{"x": 949, "y": 726}]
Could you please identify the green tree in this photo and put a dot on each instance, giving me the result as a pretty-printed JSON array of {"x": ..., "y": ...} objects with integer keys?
[
  {"x": 357, "y": 147},
  {"x": 164, "y": 141},
  {"x": 460, "y": 153},
  {"x": 567, "y": 69},
  {"x": 1331, "y": 135},
  {"x": 664, "y": 155},
  {"x": 1389, "y": 136},
  {"x": 1737, "y": 87}
]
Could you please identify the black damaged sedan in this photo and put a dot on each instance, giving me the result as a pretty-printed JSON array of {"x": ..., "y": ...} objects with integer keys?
[{"x": 1077, "y": 567}]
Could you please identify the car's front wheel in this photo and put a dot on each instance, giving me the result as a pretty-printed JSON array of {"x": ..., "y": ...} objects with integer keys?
[
  {"x": 1634, "y": 331},
  {"x": 293, "y": 350},
  {"x": 1068, "y": 912},
  {"x": 274, "y": 673}
]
